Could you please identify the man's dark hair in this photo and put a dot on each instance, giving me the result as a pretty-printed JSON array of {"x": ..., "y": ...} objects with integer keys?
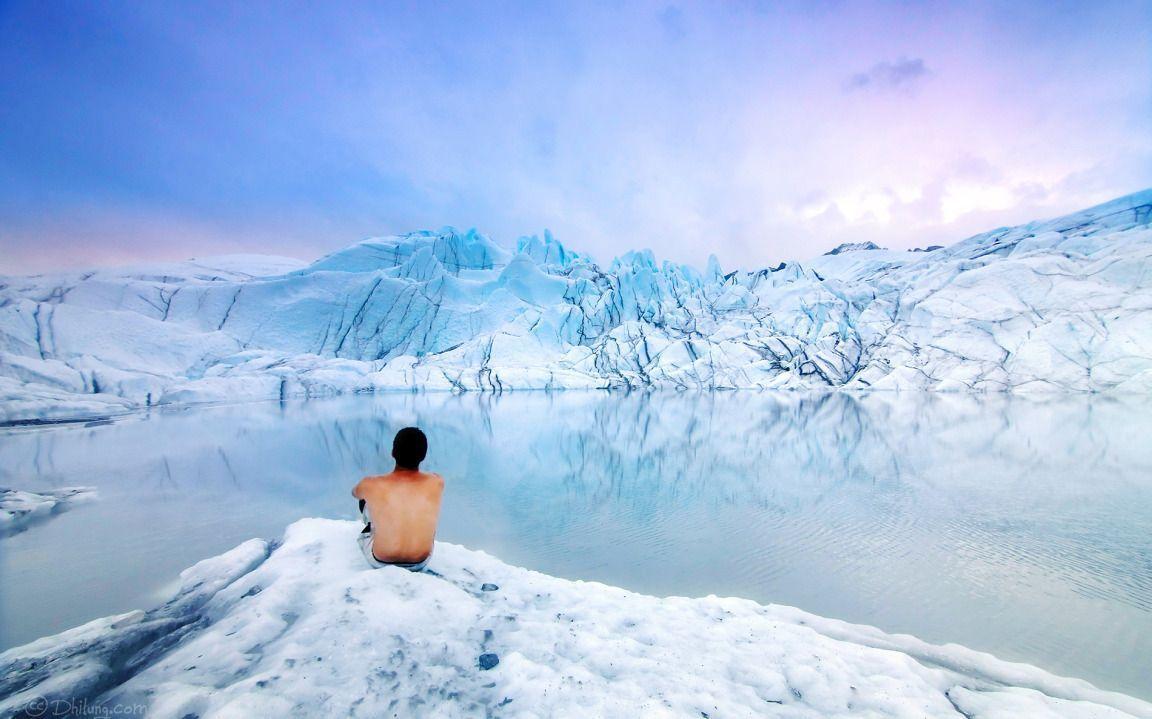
[{"x": 409, "y": 448}]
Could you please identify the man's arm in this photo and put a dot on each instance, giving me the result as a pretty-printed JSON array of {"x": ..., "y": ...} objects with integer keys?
[{"x": 358, "y": 493}]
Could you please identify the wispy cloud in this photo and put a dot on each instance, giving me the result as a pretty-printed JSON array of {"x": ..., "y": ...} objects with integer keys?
[{"x": 903, "y": 74}]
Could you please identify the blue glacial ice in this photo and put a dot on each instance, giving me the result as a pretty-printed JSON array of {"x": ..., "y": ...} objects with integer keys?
[{"x": 1056, "y": 305}]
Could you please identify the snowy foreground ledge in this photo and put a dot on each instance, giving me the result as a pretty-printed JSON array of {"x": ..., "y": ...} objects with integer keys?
[{"x": 303, "y": 628}]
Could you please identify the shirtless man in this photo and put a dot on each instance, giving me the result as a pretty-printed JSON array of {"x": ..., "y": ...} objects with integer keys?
[{"x": 402, "y": 507}]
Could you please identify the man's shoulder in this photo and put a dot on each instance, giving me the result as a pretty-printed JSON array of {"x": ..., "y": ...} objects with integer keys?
[{"x": 392, "y": 477}]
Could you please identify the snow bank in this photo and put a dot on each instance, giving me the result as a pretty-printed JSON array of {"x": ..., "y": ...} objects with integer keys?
[
  {"x": 310, "y": 630},
  {"x": 1059, "y": 305},
  {"x": 69, "y": 668},
  {"x": 20, "y": 509}
]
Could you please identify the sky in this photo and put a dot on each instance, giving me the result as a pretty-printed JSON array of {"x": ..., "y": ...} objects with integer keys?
[{"x": 756, "y": 131}]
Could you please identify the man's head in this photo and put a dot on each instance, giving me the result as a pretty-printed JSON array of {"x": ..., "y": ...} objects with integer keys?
[{"x": 409, "y": 448}]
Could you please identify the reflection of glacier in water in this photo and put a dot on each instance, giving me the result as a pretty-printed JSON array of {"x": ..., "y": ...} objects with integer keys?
[{"x": 1022, "y": 527}]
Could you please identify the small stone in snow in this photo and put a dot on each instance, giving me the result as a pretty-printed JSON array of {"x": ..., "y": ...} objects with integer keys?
[
  {"x": 487, "y": 661},
  {"x": 252, "y": 591},
  {"x": 488, "y": 587}
]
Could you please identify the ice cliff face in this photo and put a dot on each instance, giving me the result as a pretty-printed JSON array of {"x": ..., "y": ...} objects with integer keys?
[{"x": 1064, "y": 304}]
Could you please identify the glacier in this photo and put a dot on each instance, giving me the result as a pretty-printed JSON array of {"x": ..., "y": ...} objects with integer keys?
[
  {"x": 1054, "y": 305},
  {"x": 293, "y": 628}
]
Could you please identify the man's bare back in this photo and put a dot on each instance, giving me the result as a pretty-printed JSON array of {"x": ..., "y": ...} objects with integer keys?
[{"x": 404, "y": 506}]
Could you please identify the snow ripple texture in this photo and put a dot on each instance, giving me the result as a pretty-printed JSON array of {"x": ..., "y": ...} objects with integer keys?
[
  {"x": 1057, "y": 305},
  {"x": 305, "y": 628}
]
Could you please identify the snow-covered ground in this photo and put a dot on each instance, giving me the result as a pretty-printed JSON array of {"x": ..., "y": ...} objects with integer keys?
[
  {"x": 1062, "y": 304},
  {"x": 21, "y": 509},
  {"x": 303, "y": 628}
]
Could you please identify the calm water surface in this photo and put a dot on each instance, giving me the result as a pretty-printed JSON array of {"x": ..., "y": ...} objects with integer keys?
[{"x": 1017, "y": 526}]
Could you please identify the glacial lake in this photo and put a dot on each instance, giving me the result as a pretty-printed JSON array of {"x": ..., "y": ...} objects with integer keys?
[{"x": 1018, "y": 526}]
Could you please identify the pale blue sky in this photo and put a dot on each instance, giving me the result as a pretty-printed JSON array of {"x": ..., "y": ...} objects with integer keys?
[{"x": 756, "y": 131}]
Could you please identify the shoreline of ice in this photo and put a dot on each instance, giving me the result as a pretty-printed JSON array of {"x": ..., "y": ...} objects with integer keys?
[
  {"x": 21, "y": 509},
  {"x": 302, "y": 625},
  {"x": 51, "y": 420}
]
